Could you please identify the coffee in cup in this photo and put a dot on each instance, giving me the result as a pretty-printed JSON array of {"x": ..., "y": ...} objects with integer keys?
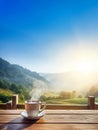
[{"x": 33, "y": 108}]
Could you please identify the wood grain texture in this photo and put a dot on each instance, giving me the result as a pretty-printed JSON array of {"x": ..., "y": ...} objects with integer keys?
[
  {"x": 3, "y": 106},
  {"x": 50, "y": 119},
  {"x": 53, "y": 120},
  {"x": 60, "y": 107},
  {"x": 48, "y": 127},
  {"x": 17, "y": 112}
]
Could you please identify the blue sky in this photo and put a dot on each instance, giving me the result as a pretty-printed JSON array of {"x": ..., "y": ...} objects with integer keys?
[{"x": 37, "y": 34}]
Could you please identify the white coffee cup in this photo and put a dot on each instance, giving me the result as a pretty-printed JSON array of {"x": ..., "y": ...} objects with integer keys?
[{"x": 33, "y": 108}]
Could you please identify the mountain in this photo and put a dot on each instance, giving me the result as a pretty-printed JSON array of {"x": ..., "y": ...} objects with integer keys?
[
  {"x": 72, "y": 80},
  {"x": 16, "y": 74},
  {"x": 60, "y": 81}
]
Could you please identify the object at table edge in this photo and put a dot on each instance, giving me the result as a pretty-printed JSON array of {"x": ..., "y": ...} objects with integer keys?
[{"x": 24, "y": 115}]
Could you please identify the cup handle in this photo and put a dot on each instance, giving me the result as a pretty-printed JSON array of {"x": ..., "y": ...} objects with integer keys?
[{"x": 44, "y": 106}]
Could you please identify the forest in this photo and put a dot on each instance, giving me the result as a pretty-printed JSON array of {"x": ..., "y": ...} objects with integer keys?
[{"x": 8, "y": 89}]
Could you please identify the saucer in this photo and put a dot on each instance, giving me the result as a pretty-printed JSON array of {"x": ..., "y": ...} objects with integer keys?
[{"x": 25, "y": 115}]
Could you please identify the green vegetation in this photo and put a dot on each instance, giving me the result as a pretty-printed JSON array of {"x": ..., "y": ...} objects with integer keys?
[
  {"x": 15, "y": 79},
  {"x": 67, "y": 101},
  {"x": 18, "y": 80},
  {"x": 18, "y": 75},
  {"x": 93, "y": 91},
  {"x": 5, "y": 95},
  {"x": 49, "y": 95},
  {"x": 64, "y": 97},
  {"x": 8, "y": 89}
]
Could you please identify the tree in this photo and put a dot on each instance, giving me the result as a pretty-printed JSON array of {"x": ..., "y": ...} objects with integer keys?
[
  {"x": 65, "y": 94},
  {"x": 93, "y": 91},
  {"x": 74, "y": 94}
]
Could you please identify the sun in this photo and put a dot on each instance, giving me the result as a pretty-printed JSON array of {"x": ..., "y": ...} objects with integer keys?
[{"x": 86, "y": 66}]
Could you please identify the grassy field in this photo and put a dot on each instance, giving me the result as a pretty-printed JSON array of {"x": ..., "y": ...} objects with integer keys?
[
  {"x": 53, "y": 98},
  {"x": 69, "y": 101}
]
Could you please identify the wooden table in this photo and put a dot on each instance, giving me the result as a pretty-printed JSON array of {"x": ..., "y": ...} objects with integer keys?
[{"x": 53, "y": 120}]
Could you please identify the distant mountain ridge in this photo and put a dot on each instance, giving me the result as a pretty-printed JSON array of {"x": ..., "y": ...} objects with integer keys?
[
  {"x": 17, "y": 74},
  {"x": 72, "y": 80},
  {"x": 14, "y": 73}
]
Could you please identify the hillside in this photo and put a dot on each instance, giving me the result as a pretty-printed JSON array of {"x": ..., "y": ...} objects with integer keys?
[
  {"x": 72, "y": 80},
  {"x": 16, "y": 74},
  {"x": 60, "y": 81}
]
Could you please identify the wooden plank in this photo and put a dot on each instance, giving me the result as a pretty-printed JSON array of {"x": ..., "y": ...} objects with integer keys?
[
  {"x": 54, "y": 106},
  {"x": 14, "y": 101},
  {"x": 66, "y": 107},
  {"x": 48, "y": 126},
  {"x": 9, "y": 105},
  {"x": 71, "y": 112},
  {"x": 3, "y": 105},
  {"x": 91, "y": 102},
  {"x": 51, "y": 112},
  {"x": 53, "y": 119},
  {"x": 10, "y": 112},
  {"x": 20, "y": 106},
  {"x": 96, "y": 106},
  {"x": 59, "y": 106}
]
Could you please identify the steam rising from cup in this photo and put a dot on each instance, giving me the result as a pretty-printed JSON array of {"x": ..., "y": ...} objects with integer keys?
[{"x": 39, "y": 87}]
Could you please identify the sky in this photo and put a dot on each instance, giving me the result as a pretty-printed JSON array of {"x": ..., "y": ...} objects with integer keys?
[{"x": 49, "y": 35}]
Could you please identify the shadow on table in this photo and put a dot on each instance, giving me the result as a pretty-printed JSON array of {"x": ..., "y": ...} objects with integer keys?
[{"x": 17, "y": 124}]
